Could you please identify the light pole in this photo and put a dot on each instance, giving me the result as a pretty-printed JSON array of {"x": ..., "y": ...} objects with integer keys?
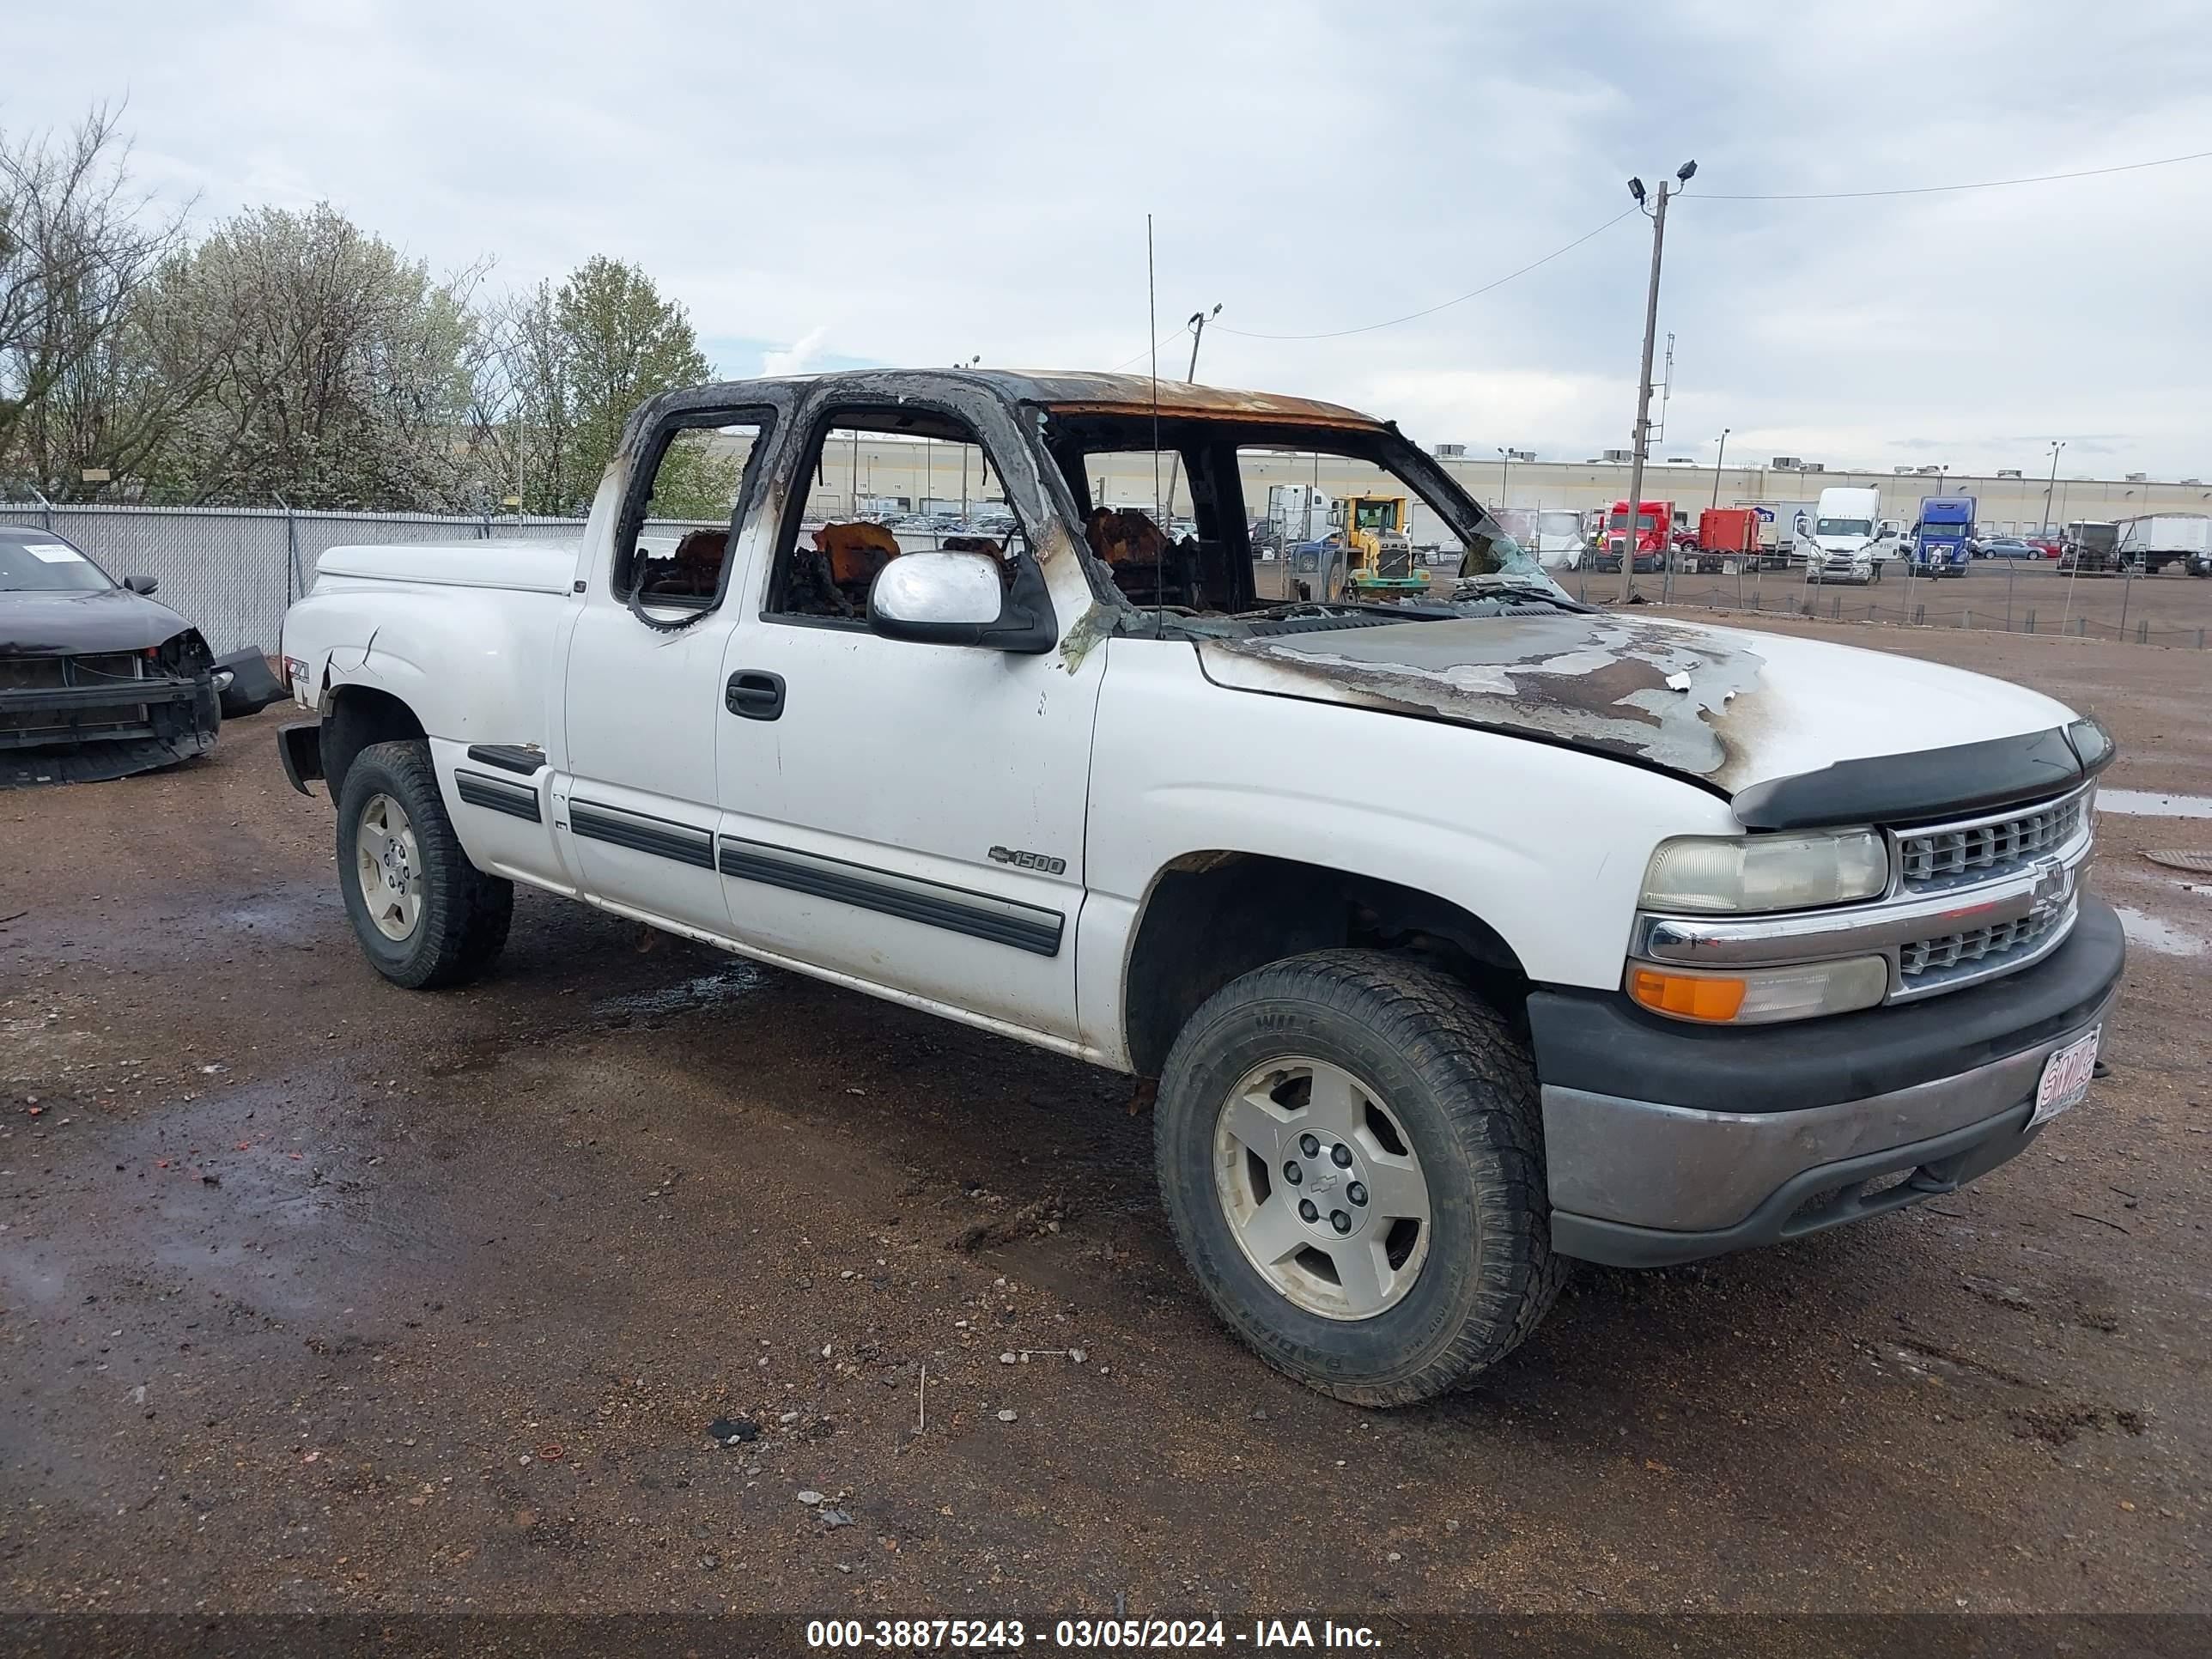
[
  {"x": 1718, "y": 460},
  {"x": 1641, "y": 436},
  {"x": 2057, "y": 444},
  {"x": 1507, "y": 457}
]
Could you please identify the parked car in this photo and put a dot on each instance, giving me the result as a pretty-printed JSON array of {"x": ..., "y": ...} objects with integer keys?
[
  {"x": 1716, "y": 938},
  {"x": 2010, "y": 547},
  {"x": 97, "y": 680}
]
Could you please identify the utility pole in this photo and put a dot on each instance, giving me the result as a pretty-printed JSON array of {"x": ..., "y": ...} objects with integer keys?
[
  {"x": 2057, "y": 444},
  {"x": 1197, "y": 324},
  {"x": 1640, "y": 439},
  {"x": 1506, "y": 478},
  {"x": 1718, "y": 460}
]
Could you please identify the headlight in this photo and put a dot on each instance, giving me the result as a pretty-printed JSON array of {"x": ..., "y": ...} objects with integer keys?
[
  {"x": 1756, "y": 996},
  {"x": 1766, "y": 872}
]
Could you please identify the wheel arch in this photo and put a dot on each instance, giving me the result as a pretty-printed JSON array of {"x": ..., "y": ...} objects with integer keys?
[
  {"x": 1209, "y": 917},
  {"x": 353, "y": 717}
]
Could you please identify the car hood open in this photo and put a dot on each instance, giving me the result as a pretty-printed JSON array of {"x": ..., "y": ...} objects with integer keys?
[
  {"x": 1730, "y": 708},
  {"x": 42, "y": 624}
]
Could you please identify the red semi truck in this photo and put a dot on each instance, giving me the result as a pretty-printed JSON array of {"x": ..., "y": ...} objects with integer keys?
[{"x": 1654, "y": 527}]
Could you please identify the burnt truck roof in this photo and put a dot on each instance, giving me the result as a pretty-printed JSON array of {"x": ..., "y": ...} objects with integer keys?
[{"x": 1074, "y": 392}]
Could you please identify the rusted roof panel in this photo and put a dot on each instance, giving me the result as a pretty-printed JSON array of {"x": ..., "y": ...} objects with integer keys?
[
  {"x": 1062, "y": 392},
  {"x": 1077, "y": 394}
]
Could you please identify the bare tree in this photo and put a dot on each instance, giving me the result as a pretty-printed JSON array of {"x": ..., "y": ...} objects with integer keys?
[
  {"x": 78, "y": 244},
  {"x": 524, "y": 412}
]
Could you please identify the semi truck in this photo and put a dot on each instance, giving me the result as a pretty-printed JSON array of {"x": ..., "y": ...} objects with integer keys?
[
  {"x": 1655, "y": 529},
  {"x": 1553, "y": 534},
  {"x": 1848, "y": 539},
  {"x": 1942, "y": 540}
]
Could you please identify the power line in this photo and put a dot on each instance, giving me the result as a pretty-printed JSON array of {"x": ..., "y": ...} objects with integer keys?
[
  {"x": 1703, "y": 195},
  {"x": 1149, "y": 349},
  {"x": 1411, "y": 316},
  {"x": 1937, "y": 190}
]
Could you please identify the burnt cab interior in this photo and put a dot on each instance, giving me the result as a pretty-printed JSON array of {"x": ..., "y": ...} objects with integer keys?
[{"x": 1208, "y": 572}]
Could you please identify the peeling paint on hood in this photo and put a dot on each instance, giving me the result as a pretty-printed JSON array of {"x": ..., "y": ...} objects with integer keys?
[{"x": 1726, "y": 706}]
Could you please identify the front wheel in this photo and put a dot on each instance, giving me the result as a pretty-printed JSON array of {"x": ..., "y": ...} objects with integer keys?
[
  {"x": 425, "y": 916},
  {"x": 1351, "y": 1152}
]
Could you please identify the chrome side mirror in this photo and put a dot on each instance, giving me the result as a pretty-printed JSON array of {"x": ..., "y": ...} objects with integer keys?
[{"x": 963, "y": 598}]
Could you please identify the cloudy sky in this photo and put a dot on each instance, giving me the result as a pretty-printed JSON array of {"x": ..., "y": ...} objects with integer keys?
[{"x": 838, "y": 183}]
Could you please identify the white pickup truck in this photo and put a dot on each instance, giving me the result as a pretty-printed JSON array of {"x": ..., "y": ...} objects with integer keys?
[{"x": 1462, "y": 937}]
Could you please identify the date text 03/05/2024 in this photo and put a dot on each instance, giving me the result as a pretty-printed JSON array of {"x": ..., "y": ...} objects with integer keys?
[{"x": 1263, "y": 1635}]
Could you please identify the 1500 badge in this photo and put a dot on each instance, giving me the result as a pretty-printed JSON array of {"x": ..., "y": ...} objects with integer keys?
[{"x": 1037, "y": 861}]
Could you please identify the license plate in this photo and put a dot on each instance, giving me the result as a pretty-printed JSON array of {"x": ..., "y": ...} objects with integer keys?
[{"x": 2066, "y": 1078}]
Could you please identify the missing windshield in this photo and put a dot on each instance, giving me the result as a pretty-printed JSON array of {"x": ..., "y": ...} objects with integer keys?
[{"x": 1195, "y": 523}]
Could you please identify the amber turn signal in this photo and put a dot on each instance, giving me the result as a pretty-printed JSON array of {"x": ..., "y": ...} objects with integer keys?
[{"x": 1686, "y": 996}]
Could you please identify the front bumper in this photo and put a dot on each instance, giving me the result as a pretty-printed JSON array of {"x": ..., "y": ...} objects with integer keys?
[
  {"x": 1667, "y": 1143},
  {"x": 88, "y": 733}
]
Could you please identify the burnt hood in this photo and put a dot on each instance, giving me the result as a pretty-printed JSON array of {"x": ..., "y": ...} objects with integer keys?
[
  {"x": 44, "y": 624},
  {"x": 1757, "y": 717}
]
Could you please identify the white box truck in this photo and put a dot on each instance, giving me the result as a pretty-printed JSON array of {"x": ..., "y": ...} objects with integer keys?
[{"x": 2156, "y": 540}]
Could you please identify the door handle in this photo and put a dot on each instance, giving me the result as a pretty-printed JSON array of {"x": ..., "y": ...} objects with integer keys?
[{"x": 755, "y": 694}]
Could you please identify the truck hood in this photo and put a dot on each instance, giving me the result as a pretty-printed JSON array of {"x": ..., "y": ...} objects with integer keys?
[{"x": 1728, "y": 706}]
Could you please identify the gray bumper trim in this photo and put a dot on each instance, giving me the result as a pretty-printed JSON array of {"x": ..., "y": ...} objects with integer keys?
[
  {"x": 1814, "y": 1199},
  {"x": 1686, "y": 1169}
]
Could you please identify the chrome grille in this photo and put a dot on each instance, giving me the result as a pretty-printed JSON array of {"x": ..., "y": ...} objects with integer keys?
[
  {"x": 1952, "y": 854},
  {"x": 1926, "y": 963}
]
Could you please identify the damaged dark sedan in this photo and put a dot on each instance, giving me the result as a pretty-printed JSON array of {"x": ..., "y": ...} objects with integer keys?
[{"x": 96, "y": 680}]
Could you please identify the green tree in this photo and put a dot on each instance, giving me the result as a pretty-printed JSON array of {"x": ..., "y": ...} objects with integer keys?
[
  {"x": 565, "y": 368},
  {"x": 625, "y": 344}
]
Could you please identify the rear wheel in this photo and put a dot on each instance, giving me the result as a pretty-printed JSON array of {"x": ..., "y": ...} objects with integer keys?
[
  {"x": 425, "y": 916},
  {"x": 1349, "y": 1150}
]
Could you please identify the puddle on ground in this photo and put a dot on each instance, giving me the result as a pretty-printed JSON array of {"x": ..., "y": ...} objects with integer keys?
[
  {"x": 724, "y": 985},
  {"x": 2153, "y": 804},
  {"x": 2155, "y": 934}
]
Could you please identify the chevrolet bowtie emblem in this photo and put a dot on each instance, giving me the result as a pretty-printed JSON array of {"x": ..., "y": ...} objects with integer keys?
[{"x": 2053, "y": 890}]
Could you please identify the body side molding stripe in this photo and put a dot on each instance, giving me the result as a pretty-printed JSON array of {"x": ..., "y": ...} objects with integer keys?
[
  {"x": 980, "y": 915},
  {"x": 661, "y": 836},
  {"x": 498, "y": 795}
]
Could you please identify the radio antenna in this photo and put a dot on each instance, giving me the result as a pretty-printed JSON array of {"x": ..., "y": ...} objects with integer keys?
[{"x": 1159, "y": 510}]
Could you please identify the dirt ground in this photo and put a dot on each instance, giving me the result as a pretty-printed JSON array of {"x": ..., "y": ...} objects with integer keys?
[{"x": 320, "y": 1296}]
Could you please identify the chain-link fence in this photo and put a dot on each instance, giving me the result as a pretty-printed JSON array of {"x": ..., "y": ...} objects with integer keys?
[
  {"x": 232, "y": 572},
  {"x": 2136, "y": 609},
  {"x": 1812, "y": 601}
]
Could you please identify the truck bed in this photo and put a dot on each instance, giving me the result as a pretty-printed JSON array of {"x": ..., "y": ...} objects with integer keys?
[{"x": 521, "y": 567}]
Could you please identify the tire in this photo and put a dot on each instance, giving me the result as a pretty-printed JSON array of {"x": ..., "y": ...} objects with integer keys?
[
  {"x": 1457, "y": 1091},
  {"x": 443, "y": 920}
]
